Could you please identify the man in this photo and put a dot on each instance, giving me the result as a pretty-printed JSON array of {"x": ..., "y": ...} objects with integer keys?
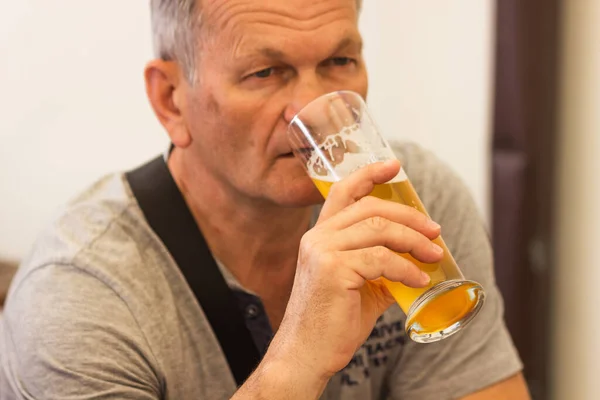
[{"x": 100, "y": 309}]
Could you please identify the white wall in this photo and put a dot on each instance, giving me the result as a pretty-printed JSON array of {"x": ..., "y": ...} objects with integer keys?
[
  {"x": 576, "y": 360},
  {"x": 73, "y": 105},
  {"x": 431, "y": 74}
]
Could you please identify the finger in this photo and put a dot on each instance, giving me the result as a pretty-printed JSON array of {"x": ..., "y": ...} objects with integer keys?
[
  {"x": 376, "y": 262},
  {"x": 372, "y": 207},
  {"x": 379, "y": 231},
  {"x": 357, "y": 185}
]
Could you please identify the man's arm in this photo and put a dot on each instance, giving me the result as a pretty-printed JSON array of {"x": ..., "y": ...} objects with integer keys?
[
  {"x": 514, "y": 388},
  {"x": 274, "y": 379},
  {"x": 336, "y": 298},
  {"x": 65, "y": 334},
  {"x": 281, "y": 379}
]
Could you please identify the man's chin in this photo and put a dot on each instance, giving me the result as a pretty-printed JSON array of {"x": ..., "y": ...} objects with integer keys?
[
  {"x": 291, "y": 187},
  {"x": 304, "y": 202},
  {"x": 304, "y": 196}
]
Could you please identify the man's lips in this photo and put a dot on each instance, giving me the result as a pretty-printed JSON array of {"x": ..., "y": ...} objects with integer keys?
[{"x": 304, "y": 152}]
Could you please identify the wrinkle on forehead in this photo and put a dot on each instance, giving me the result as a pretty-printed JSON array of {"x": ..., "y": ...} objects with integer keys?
[
  {"x": 303, "y": 15},
  {"x": 240, "y": 28}
]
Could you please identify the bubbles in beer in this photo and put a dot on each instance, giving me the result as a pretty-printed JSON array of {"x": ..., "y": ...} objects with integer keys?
[{"x": 342, "y": 153}]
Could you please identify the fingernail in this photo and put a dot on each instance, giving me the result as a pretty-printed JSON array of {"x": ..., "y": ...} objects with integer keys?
[
  {"x": 425, "y": 278},
  {"x": 433, "y": 225},
  {"x": 437, "y": 248}
]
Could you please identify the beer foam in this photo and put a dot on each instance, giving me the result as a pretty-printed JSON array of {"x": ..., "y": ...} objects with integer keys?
[{"x": 344, "y": 154}]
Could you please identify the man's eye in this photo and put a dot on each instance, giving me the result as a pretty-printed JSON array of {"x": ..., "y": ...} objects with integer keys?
[
  {"x": 263, "y": 73},
  {"x": 341, "y": 61}
]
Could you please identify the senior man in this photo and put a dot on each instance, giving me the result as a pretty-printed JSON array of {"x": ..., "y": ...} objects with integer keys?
[{"x": 107, "y": 305}]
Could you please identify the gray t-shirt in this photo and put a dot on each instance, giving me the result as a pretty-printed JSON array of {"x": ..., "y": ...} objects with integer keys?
[{"x": 100, "y": 310}]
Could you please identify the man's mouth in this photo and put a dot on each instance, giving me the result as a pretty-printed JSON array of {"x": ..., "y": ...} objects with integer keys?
[{"x": 305, "y": 152}]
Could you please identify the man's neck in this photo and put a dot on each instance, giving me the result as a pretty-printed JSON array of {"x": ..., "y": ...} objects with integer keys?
[{"x": 257, "y": 242}]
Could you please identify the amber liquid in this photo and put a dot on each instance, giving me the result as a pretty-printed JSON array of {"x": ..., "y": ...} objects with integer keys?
[{"x": 443, "y": 310}]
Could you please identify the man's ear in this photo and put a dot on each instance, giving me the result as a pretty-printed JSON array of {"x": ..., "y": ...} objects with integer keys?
[{"x": 166, "y": 88}]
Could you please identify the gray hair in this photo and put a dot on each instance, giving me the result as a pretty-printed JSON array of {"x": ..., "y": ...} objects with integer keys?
[{"x": 174, "y": 27}]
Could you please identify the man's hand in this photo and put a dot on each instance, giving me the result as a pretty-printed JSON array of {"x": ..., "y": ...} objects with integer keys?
[{"x": 337, "y": 296}]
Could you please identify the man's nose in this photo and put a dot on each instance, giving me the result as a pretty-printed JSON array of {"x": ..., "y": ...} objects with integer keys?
[{"x": 303, "y": 93}]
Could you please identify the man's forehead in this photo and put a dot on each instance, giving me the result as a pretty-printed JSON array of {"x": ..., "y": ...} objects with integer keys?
[
  {"x": 220, "y": 13},
  {"x": 297, "y": 4},
  {"x": 267, "y": 28}
]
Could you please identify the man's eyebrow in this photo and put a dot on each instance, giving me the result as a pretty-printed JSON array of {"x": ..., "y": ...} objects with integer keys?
[
  {"x": 274, "y": 54},
  {"x": 349, "y": 42},
  {"x": 266, "y": 52},
  {"x": 271, "y": 53}
]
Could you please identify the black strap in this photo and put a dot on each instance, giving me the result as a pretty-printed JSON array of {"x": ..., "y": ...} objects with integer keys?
[{"x": 169, "y": 216}]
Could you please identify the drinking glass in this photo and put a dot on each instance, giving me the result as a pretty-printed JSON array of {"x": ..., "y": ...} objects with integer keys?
[{"x": 335, "y": 135}]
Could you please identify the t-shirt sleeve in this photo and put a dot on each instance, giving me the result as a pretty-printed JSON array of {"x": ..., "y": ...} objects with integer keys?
[
  {"x": 483, "y": 353},
  {"x": 67, "y": 335}
]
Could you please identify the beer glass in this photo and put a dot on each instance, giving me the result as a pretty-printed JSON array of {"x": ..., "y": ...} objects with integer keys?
[{"x": 333, "y": 136}]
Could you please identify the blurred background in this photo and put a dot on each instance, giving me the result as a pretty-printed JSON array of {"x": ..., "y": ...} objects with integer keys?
[{"x": 505, "y": 91}]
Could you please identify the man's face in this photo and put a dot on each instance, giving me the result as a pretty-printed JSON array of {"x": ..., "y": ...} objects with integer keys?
[{"x": 261, "y": 61}]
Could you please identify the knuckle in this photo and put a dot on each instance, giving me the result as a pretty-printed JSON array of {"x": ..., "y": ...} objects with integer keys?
[
  {"x": 327, "y": 260},
  {"x": 368, "y": 256},
  {"x": 314, "y": 250},
  {"x": 382, "y": 254},
  {"x": 403, "y": 267},
  {"x": 377, "y": 223},
  {"x": 310, "y": 243}
]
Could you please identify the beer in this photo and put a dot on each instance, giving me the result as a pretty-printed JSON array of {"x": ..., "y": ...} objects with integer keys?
[{"x": 430, "y": 314}]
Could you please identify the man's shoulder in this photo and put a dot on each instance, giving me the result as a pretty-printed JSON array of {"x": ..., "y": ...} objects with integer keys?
[
  {"x": 421, "y": 164},
  {"x": 100, "y": 277},
  {"x": 430, "y": 175},
  {"x": 444, "y": 193},
  {"x": 99, "y": 246},
  {"x": 408, "y": 150},
  {"x": 85, "y": 219},
  {"x": 100, "y": 231}
]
